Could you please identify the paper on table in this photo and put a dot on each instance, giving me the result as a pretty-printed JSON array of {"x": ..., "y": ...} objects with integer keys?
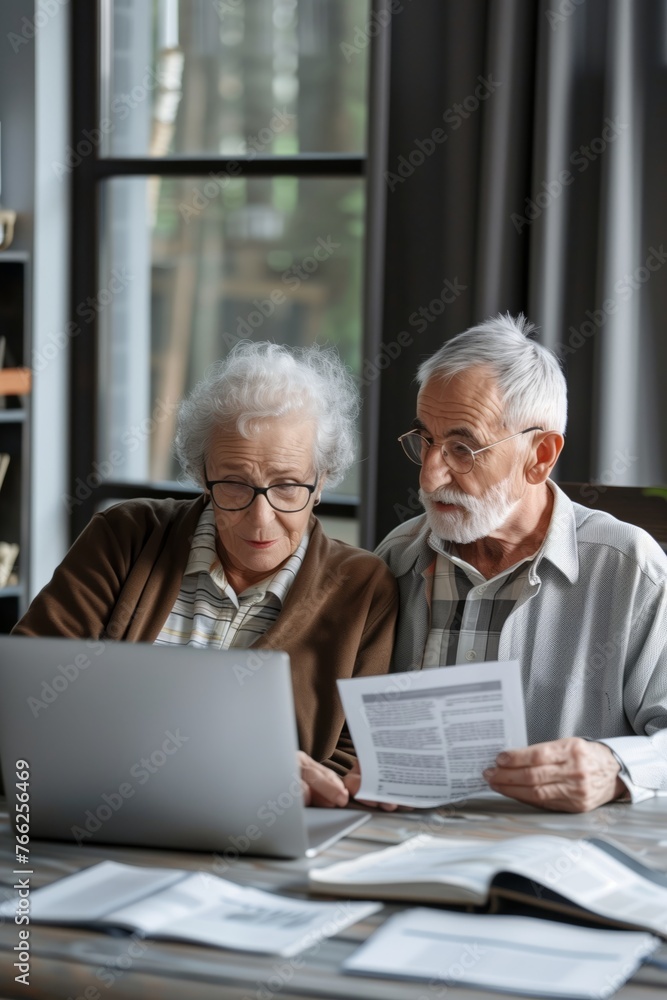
[
  {"x": 191, "y": 906},
  {"x": 423, "y": 738},
  {"x": 517, "y": 954},
  {"x": 214, "y": 911}
]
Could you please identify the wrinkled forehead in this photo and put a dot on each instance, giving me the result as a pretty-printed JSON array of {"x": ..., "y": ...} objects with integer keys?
[
  {"x": 271, "y": 444},
  {"x": 466, "y": 403}
]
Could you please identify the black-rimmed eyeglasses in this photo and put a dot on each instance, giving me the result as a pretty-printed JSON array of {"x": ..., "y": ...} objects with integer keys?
[
  {"x": 457, "y": 455},
  {"x": 288, "y": 498}
]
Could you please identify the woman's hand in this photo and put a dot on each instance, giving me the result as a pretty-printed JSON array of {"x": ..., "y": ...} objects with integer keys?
[
  {"x": 321, "y": 785},
  {"x": 353, "y": 782}
]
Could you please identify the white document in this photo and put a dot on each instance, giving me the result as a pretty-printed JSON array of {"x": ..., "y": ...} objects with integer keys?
[
  {"x": 515, "y": 954},
  {"x": 189, "y": 906},
  {"x": 424, "y": 737}
]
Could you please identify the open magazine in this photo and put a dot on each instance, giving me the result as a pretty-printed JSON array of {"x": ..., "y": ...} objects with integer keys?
[
  {"x": 591, "y": 879},
  {"x": 188, "y": 906}
]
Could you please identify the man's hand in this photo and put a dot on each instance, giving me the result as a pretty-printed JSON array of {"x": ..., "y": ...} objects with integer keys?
[
  {"x": 353, "y": 783},
  {"x": 568, "y": 775},
  {"x": 321, "y": 785}
]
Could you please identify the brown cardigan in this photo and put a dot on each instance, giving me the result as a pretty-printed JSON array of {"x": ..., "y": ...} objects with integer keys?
[{"x": 121, "y": 578}]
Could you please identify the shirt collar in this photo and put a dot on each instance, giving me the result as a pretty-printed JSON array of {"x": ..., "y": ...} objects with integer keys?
[
  {"x": 204, "y": 559},
  {"x": 443, "y": 550},
  {"x": 202, "y": 551},
  {"x": 559, "y": 545}
]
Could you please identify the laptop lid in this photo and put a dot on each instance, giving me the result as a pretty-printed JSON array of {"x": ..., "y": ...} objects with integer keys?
[{"x": 168, "y": 747}]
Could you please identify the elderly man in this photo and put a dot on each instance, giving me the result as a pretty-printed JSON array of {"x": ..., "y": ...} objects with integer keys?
[{"x": 504, "y": 566}]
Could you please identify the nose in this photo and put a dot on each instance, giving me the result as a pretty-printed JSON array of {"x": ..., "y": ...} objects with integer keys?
[
  {"x": 434, "y": 471},
  {"x": 260, "y": 510}
]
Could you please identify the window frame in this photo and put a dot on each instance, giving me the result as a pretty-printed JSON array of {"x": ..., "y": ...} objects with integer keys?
[{"x": 86, "y": 179}]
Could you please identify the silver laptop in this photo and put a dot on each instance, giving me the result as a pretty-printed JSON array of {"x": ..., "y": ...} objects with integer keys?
[{"x": 178, "y": 748}]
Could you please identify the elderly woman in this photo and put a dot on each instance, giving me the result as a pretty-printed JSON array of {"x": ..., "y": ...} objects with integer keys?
[{"x": 246, "y": 563}]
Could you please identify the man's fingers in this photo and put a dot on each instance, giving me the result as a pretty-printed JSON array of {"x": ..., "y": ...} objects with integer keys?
[
  {"x": 569, "y": 775},
  {"x": 561, "y": 798},
  {"x": 554, "y": 752},
  {"x": 544, "y": 797},
  {"x": 524, "y": 776}
]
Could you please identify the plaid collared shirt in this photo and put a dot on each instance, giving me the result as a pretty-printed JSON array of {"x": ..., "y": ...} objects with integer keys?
[
  {"x": 209, "y": 613},
  {"x": 467, "y": 610}
]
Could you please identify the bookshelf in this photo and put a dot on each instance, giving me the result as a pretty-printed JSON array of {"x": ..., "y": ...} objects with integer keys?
[{"x": 15, "y": 429}]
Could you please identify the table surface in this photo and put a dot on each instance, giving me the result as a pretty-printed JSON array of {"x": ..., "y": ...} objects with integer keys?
[{"x": 75, "y": 964}]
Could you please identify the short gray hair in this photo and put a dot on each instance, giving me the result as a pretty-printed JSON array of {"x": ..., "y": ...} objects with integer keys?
[
  {"x": 529, "y": 375},
  {"x": 260, "y": 381}
]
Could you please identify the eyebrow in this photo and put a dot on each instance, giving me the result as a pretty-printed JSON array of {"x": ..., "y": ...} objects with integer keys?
[
  {"x": 240, "y": 468},
  {"x": 456, "y": 432}
]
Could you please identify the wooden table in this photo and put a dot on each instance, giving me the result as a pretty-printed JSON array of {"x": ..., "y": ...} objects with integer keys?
[{"x": 79, "y": 964}]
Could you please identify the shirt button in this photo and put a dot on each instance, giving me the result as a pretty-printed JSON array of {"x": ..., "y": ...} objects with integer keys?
[
  {"x": 471, "y": 655},
  {"x": 482, "y": 589}
]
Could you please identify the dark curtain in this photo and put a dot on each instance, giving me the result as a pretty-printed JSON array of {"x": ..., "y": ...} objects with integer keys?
[{"x": 524, "y": 171}]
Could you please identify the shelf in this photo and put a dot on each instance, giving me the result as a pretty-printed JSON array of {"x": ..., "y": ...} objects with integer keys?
[
  {"x": 16, "y": 416},
  {"x": 15, "y": 410},
  {"x": 15, "y": 381}
]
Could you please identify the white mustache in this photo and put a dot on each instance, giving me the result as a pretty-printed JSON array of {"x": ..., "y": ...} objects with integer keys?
[{"x": 445, "y": 495}]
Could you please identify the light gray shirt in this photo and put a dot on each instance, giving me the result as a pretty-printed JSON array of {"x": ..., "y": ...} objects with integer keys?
[{"x": 589, "y": 630}]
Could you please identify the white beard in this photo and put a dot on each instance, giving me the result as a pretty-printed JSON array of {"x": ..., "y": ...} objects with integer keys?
[{"x": 479, "y": 518}]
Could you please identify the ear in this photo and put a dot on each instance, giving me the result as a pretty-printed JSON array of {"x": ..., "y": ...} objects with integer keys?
[
  {"x": 543, "y": 456},
  {"x": 321, "y": 480}
]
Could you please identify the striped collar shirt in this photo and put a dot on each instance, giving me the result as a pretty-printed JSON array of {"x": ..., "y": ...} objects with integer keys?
[{"x": 209, "y": 613}]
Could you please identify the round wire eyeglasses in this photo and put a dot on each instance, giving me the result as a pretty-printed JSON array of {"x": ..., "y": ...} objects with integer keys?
[{"x": 457, "y": 455}]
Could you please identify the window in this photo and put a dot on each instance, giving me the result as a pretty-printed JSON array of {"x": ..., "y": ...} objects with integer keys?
[{"x": 218, "y": 194}]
